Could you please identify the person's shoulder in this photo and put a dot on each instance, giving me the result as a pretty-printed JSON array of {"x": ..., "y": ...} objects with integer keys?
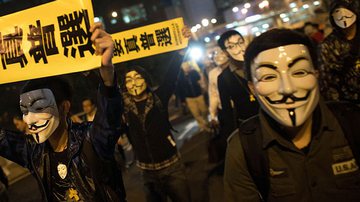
[{"x": 248, "y": 127}]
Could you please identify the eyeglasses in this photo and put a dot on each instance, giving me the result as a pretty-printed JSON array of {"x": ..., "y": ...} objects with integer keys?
[{"x": 232, "y": 46}]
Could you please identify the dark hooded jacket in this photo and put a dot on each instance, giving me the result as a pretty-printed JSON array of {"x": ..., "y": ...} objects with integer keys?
[
  {"x": 340, "y": 59},
  {"x": 150, "y": 132},
  {"x": 91, "y": 164}
]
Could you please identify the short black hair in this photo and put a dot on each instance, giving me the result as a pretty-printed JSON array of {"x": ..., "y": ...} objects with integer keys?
[
  {"x": 88, "y": 98},
  {"x": 59, "y": 87},
  {"x": 275, "y": 38},
  {"x": 225, "y": 36}
]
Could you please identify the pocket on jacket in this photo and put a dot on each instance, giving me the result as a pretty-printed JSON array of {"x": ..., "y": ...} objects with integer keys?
[{"x": 281, "y": 186}]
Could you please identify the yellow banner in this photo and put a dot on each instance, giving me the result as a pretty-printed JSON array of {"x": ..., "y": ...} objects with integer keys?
[
  {"x": 47, "y": 40},
  {"x": 54, "y": 39},
  {"x": 149, "y": 40}
]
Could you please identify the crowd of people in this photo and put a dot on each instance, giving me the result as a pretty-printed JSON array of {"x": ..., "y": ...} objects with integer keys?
[{"x": 285, "y": 104}]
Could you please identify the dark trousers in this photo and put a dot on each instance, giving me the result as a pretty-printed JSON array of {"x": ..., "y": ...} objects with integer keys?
[{"x": 168, "y": 182}]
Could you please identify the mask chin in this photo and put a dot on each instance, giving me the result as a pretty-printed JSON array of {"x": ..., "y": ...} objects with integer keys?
[
  {"x": 292, "y": 117},
  {"x": 44, "y": 134},
  {"x": 136, "y": 91}
]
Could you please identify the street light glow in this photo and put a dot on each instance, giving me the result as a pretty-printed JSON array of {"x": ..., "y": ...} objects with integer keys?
[
  {"x": 316, "y": 3},
  {"x": 263, "y": 4},
  {"x": 265, "y": 26},
  {"x": 244, "y": 11},
  {"x": 253, "y": 18},
  {"x": 213, "y": 21},
  {"x": 113, "y": 21},
  {"x": 207, "y": 39},
  {"x": 196, "y": 53},
  {"x": 96, "y": 19},
  {"x": 217, "y": 37},
  {"x": 114, "y": 14},
  {"x": 306, "y": 6},
  {"x": 235, "y": 9},
  {"x": 283, "y": 15},
  {"x": 194, "y": 29},
  {"x": 247, "y": 5},
  {"x": 293, "y": 5},
  {"x": 198, "y": 26},
  {"x": 286, "y": 19},
  {"x": 205, "y": 22},
  {"x": 295, "y": 10}
]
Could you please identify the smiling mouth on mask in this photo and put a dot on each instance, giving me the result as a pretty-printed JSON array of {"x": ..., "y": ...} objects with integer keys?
[
  {"x": 34, "y": 127},
  {"x": 284, "y": 99}
]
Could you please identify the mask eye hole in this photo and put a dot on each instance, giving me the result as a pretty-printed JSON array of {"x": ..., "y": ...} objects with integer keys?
[
  {"x": 300, "y": 73},
  {"x": 39, "y": 109},
  {"x": 268, "y": 77}
]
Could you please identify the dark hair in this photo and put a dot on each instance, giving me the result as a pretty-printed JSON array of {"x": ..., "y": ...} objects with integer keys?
[
  {"x": 88, "y": 98},
  {"x": 225, "y": 36},
  {"x": 139, "y": 70},
  {"x": 59, "y": 87},
  {"x": 275, "y": 38}
]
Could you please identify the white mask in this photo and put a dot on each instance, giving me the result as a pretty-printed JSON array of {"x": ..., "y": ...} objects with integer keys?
[
  {"x": 40, "y": 113},
  {"x": 135, "y": 83},
  {"x": 285, "y": 83},
  {"x": 343, "y": 17},
  {"x": 235, "y": 46},
  {"x": 220, "y": 57}
]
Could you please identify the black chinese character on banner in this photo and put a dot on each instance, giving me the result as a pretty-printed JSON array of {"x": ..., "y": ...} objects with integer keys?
[
  {"x": 42, "y": 41},
  {"x": 118, "y": 49},
  {"x": 147, "y": 40},
  {"x": 74, "y": 30},
  {"x": 163, "y": 36},
  {"x": 10, "y": 49},
  {"x": 131, "y": 44}
]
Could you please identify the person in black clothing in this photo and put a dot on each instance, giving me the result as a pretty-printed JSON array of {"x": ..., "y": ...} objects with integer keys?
[
  {"x": 340, "y": 53},
  {"x": 150, "y": 133},
  {"x": 237, "y": 102},
  {"x": 189, "y": 90},
  {"x": 71, "y": 162},
  {"x": 149, "y": 130}
]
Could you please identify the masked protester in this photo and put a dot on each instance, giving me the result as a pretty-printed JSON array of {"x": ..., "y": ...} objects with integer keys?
[
  {"x": 149, "y": 129},
  {"x": 237, "y": 102},
  {"x": 340, "y": 53},
  {"x": 298, "y": 148},
  {"x": 71, "y": 162}
]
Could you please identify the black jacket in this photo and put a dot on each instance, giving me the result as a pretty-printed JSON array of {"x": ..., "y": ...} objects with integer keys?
[
  {"x": 340, "y": 60},
  {"x": 234, "y": 89},
  {"x": 150, "y": 133},
  {"x": 188, "y": 85},
  {"x": 90, "y": 149}
]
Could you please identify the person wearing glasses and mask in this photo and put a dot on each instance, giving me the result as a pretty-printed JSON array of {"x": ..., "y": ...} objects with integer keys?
[{"x": 237, "y": 102}]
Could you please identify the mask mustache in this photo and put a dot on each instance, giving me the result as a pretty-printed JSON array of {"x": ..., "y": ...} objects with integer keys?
[
  {"x": 35, "y": 127},
  {"x": 286, "y": 97},
  {"x": 345, "y": 17}
]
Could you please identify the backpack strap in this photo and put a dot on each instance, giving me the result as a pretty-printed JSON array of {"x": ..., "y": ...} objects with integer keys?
[
  {"x": 348, "y": 116},
  {"x": 255, "y": 156}
]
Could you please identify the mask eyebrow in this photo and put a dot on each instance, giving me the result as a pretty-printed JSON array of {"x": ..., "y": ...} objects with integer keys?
[
  {"x": 291, "y": 64},
  {"x": 271, "y": 66}
]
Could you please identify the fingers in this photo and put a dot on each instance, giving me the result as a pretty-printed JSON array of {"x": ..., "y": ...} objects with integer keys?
[
  {"x": 102, "y": 44},
  {"x": 96, "y": 25},
  {"x": 186, "y": 32}
]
